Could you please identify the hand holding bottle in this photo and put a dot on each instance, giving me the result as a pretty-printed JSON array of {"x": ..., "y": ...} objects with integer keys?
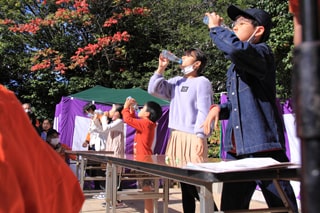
[
  {"x": 106, "y": 113},
  {"x": 163, "y": 63},
  {"x": 132, "y": 104},
  {"x": 171, "y": 57},
  {"x": 213, "y": 20}
]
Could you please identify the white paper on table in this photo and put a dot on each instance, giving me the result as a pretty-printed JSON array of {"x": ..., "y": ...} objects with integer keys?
[{"x": 238, "y": 165}]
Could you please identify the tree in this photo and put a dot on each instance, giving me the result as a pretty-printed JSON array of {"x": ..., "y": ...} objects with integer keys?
[
  {"x": 71, "y": 45},
  {"x": 281, "y": 41},
  {"x": 74, "y": 45}
]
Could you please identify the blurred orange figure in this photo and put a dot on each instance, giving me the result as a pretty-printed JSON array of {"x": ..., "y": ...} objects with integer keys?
[
  {"x": 33, "y": 177},
  {"x": 294, "y": 9}
]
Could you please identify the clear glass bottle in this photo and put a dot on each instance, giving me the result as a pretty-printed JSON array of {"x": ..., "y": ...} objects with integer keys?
[{"x": 172, "y": 57}]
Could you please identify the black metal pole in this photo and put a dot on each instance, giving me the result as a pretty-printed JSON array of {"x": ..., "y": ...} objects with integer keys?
[{"x": 306, "y": 91}]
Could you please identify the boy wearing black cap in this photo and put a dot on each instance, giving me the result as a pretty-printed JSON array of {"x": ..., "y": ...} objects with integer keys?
[{"x": 254, "y": 126}]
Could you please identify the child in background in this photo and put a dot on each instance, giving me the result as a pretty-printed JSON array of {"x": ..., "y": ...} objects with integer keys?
[
  {"x": 54, "y": 141},
  {"x": 113, "y": 131},
  {"x": 94, "y": 139},
  {"x": 112, "y": 128},
  {"x": 145, "y": 127}
]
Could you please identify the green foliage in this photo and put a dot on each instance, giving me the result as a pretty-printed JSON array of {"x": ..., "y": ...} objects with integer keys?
[
  {"x": 281, "y": 41},
  {"x": 214, "y": 150},
  {"x": 214, "y": 142},
  {"x": 171, "y": 24}
]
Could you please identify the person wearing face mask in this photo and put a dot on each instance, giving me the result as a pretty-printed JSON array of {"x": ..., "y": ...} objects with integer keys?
[
  {"x": 27, "y": 107},
  {"x": 94, "y": 138},
  {"x": 53, "y": 140},
  {"x": 254, "y": 126},
  {"x": 190, "y": 97}
]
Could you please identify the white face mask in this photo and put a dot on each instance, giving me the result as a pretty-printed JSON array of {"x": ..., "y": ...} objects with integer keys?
[
  {"x": 55, "y": 141},
  {"x": 252, "y": 37},
  {"x": 90, "y": 115},
  {"x": 187, "y": 69}
]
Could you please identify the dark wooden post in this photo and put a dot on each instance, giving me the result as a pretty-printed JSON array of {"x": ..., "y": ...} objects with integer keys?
[{"x": 306, "y": 90}]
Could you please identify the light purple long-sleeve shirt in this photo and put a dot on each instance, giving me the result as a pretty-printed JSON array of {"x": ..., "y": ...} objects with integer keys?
[{"x": 190, "y": 101}]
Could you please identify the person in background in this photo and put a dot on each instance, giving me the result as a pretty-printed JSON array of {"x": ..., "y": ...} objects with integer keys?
[
  {"x": 34, "y": 122},
  {"x": 113, "y": 128},
  {"x": 33, "y": 177},
  {"x": 53, "y": 140},
  {"x": 113, "y": 131},
  {"x": 297, "y": 27},
  {"x": 190, "y": 97},
  {"x": 45, "y": 126},
  {"x": 32, "y": 117},
  {"x": 27, "y": 107},
  {"x": 94, "y": 139},
  {"x": 145, "y": 126},
  {"x": 254, "y": 126},
  {"x": 294, "y": 9}
]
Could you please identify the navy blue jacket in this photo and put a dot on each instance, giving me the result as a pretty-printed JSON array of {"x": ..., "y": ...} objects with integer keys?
[{"x": 251, "y": 110}]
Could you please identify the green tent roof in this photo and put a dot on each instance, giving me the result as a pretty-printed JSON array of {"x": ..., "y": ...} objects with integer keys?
[{"x": 100, "y": 94}]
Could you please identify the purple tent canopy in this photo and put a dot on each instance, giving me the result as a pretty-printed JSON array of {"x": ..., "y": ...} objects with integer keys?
[{"x": 72, "y": 124}]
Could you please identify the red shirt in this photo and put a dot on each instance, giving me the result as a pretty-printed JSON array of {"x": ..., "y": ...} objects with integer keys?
[
  {"x": 33, "y": 178},
  {"x": 294, "y": 6},
  {"x": 61, "y": 151},
  {"x": 145, "y": 130}
]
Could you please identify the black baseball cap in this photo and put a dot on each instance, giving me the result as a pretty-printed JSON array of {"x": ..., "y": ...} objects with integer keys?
[{"x": 261, "y": 16}]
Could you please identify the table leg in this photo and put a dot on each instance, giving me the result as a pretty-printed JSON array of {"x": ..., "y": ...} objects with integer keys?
[
  {"x": 114, "y": 187},
  {"x": 78, "y": 167},
  {"x": 82, "y": 171},
  {"x": 206, "y": 198},
  {"x": 156, "y": 189},
  {"x": 283, "y": 196},
  {"x": 165, "y": 195},
  {"x": 109, "y": 188}
]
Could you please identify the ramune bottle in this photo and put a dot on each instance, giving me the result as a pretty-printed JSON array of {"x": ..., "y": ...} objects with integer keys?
[{"x": 171, "y": 57}]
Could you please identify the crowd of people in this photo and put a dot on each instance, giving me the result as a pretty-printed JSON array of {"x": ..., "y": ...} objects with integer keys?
[
  {"x": 106, "y": 133},
  {"x": 254, "y": 125},
  {"x": 48, "y": 135}
]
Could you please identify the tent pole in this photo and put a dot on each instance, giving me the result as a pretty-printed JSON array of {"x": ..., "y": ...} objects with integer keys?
[{"x": 306, "y": 91}]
